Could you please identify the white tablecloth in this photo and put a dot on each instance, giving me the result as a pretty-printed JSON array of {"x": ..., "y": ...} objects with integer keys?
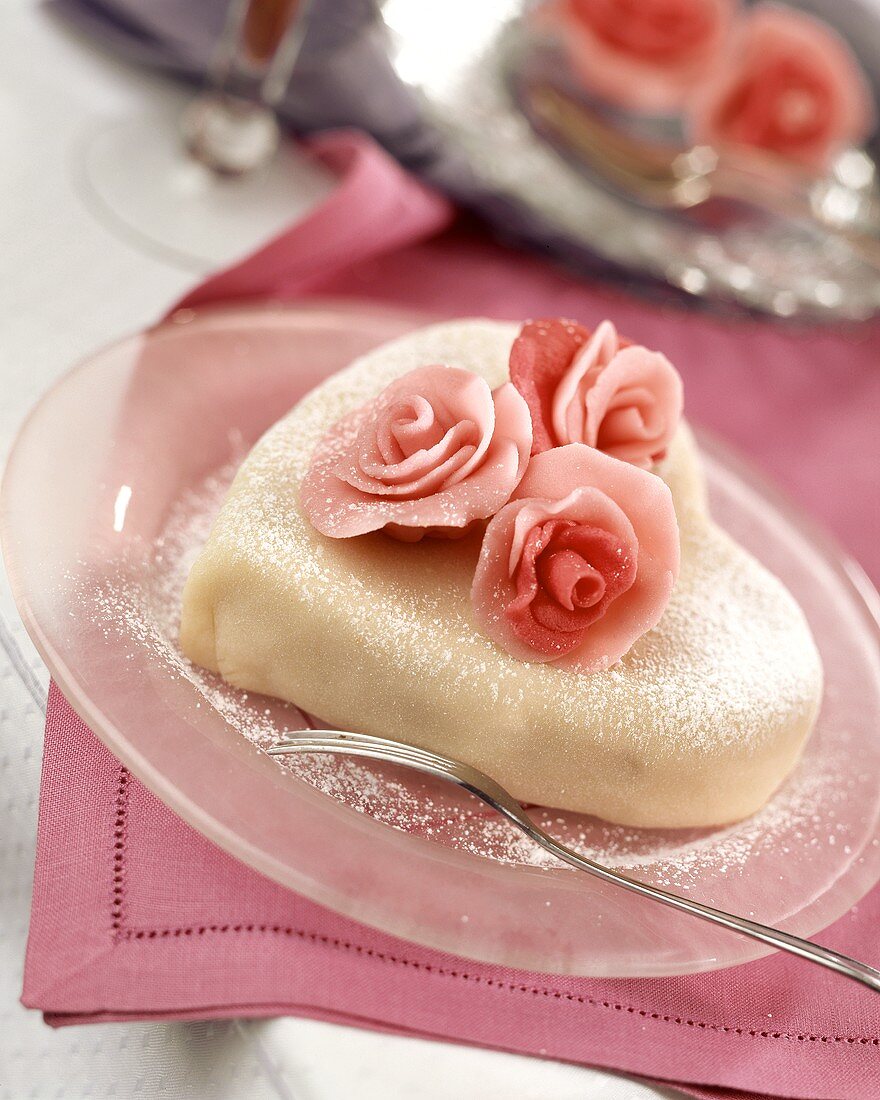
[{"x": 67, "y": 285}]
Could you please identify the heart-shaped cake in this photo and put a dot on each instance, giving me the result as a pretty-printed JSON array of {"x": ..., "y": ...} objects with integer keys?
[{"x": 589, "y": 637}]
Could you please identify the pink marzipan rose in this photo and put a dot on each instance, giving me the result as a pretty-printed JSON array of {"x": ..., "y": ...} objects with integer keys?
[
  {"x": 641, "y": 54},
  {"x": 435, "y": 451},
  {"x": 597, "y": 389},
  {"x": 793, "y": 89},
  {"x": 580, "y": 563}
]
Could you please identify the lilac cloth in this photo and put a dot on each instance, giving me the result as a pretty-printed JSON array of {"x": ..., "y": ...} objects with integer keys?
[{"x": 135, "y": 915}]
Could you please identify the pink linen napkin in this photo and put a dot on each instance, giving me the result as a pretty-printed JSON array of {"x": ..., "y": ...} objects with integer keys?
[{"x": 135, "y": 915}]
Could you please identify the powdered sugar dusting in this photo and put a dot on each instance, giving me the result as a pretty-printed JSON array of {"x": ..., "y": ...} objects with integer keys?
[{"x": 141, "y": 603}]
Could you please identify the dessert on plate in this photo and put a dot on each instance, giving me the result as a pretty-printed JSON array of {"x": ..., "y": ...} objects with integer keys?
[{"x": 493, "y": 540}]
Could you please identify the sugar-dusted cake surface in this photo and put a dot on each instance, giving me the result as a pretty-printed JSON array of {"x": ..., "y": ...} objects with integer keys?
[{"x": 696, "y": 726}]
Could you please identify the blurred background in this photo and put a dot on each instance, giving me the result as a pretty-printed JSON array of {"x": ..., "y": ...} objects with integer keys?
[{"x": 717, "y": 149}]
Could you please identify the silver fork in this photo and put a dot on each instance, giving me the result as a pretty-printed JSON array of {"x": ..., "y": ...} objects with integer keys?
[{"x": 494, "y": 795}]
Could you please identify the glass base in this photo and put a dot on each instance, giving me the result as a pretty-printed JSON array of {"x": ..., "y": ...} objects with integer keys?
[{"x": 145, "y": 188}]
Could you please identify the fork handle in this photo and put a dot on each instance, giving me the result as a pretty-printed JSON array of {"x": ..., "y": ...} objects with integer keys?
[{"x": 773, "y": 937}]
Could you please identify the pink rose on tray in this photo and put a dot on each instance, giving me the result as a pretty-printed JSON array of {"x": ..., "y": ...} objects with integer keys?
[
  {"x": 793, "y": 89},
  {"x": 641, "y": 54},
  {"x": 596, "y": 388},
  {"x": 435, "y": 451},
  {"x": 580, "y": 563}
]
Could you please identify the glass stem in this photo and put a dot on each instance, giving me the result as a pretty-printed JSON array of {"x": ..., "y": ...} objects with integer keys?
[{"x": 231, "y": 128}]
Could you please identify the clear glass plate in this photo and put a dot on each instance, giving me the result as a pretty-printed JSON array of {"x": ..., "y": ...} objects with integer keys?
[{"x": 108, "y": 494}]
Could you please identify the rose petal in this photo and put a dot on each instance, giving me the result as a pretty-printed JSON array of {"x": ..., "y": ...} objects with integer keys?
[
  {"x": 569, "y": 399},
  {"x": 452, "y": 409},
  {"x": 560, "y": 555},
  {"x": 634, "y": 406},
  {"x": 478, "y": 487},
  {"x": 597, "y": 389},
  {"x": 579, "y": 483},
  {"x": 539, "y": 358}
]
